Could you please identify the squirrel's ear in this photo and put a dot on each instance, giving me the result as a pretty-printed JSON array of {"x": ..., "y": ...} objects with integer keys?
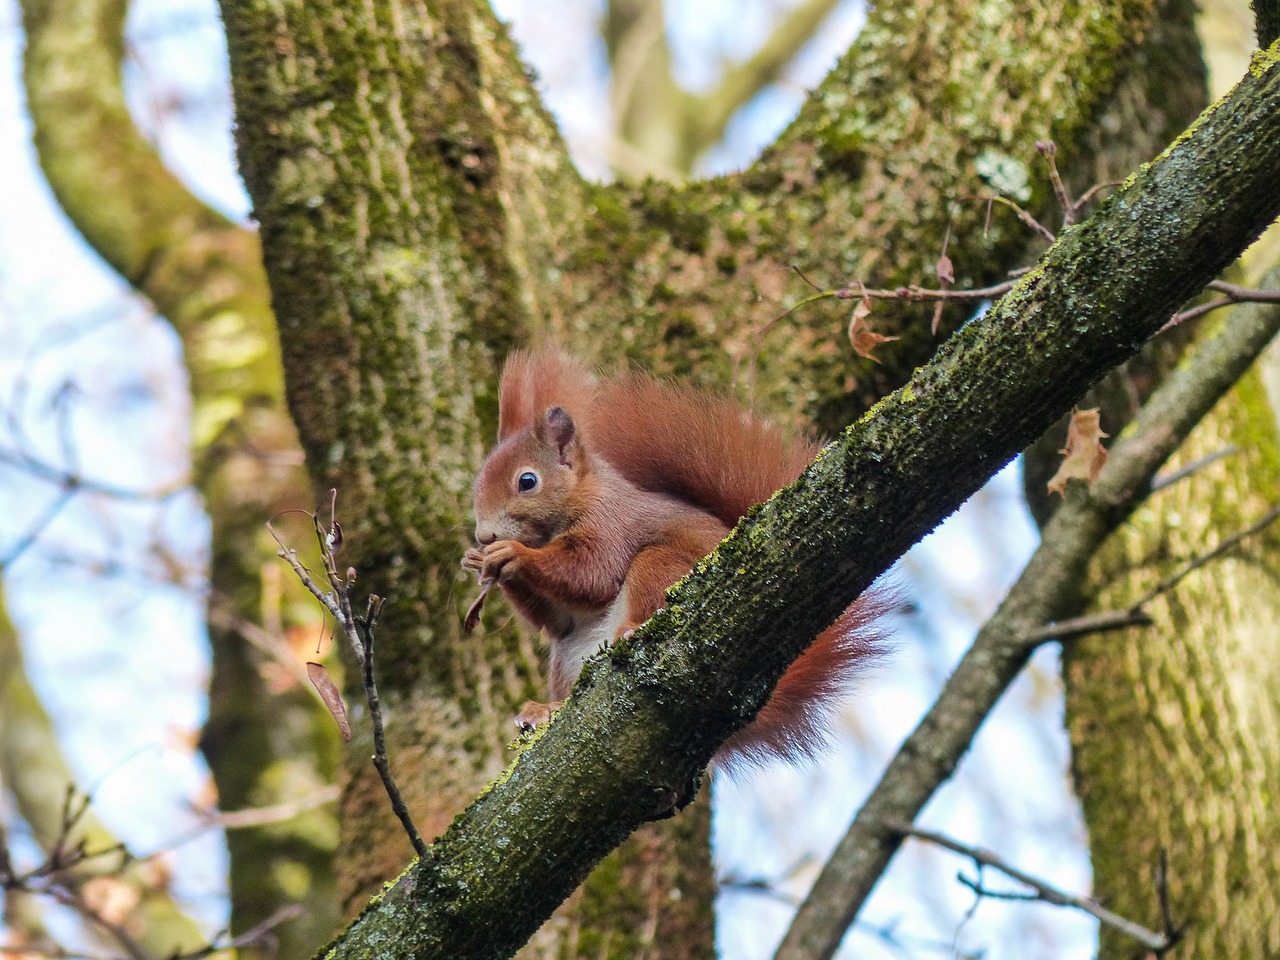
[
  {"x": 558, "y": 430},
  {"x": 515, "y": 395}
]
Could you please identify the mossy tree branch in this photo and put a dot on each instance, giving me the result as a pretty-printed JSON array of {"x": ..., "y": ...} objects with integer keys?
[{"x": 647, "y": 717}]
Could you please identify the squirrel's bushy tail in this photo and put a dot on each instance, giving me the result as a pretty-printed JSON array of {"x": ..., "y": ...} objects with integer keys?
[{"x": 796, "y": 723}]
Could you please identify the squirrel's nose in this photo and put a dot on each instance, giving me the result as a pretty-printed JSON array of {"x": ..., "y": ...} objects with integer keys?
[{"x": 484, "y": 536}]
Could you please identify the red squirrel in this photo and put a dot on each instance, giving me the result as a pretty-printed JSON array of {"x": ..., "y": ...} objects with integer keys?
[{"x": 602, "y": 494}]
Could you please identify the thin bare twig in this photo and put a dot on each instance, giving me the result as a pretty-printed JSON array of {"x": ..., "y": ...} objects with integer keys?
[
  {"x": 360, "y": 632},
  {"x": 1036, "y": 226},
  {"x": 1136, "y": 616},
  {"x": 1075, "y": 627},
  {"x": 1173, "y": 931},
  {"x": 918, "y": 294},
  {"x": 1230, "y": 543},
  {"x": 1169, "y": 478},
  {"x": 256, "y": 936},
  {"x": 290, "y": 556},
  {"x": 1092, "y": 192},
  {"x": 1234, "y": 294},
  {"x": 1241, "y": 294},
  {"x": 1049, "y": 150},
  {"x": 276, "y": 813},
  {"x": 1156, "y": 942}
]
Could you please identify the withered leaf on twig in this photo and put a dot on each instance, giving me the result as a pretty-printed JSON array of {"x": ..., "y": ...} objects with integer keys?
[
  {"x": 945, "y": 271},
  {"x": 328, "y": 691},
  {"x": 1085, "y": 454},
  {"x": 863, "y": 338}
]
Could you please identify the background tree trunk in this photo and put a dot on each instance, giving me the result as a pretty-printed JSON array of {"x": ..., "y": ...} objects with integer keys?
[
  {"x": 1173, "y": 727},
  {"x": 205, "y": 275}
]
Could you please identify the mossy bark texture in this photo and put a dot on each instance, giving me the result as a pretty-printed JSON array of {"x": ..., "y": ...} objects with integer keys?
[
  {"x": 205, "y": 275},
  {"x": 1173, "y": 727},
  {"x": 647, "y": 716}
]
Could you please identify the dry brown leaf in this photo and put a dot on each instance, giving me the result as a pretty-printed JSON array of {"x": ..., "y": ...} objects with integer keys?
[
  {"x": 1084, "y": 453},
  {"x": 945, "y": 270},
  {"x": 863, "y": 338},
  {"x": 473, "y": 613},
  {"x": 328, "y": 691}
]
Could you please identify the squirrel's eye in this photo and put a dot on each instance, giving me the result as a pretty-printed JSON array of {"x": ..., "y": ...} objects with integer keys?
[{"x": 527, "y": 481}]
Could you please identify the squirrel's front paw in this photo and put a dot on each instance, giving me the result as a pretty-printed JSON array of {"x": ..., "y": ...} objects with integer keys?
[
  {"x": 473, "y": 559},
  {"x": 534, "y": 714},
  {"x": 500, "y": 560}
]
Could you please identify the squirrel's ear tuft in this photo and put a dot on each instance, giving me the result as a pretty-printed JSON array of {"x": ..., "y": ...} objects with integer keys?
[
  {"x": 516, "y": 394},
  {"x": 559, "y": 431},
  {"x": 532, "y": 381}
]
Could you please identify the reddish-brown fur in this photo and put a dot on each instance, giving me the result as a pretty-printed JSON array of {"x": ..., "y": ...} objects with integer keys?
[{"x": 639, "y": 479}]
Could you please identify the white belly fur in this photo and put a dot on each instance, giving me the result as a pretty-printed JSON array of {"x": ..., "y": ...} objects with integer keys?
[{"x": 585, "y": 638}]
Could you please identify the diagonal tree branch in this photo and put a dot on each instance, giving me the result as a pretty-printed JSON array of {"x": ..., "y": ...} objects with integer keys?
[{"x": 648, "y": 715}]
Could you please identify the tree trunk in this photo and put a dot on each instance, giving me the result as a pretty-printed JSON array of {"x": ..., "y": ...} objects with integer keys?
[
  {"x": 205, "y": 275},
  {"x": 1173, "y": 726}
]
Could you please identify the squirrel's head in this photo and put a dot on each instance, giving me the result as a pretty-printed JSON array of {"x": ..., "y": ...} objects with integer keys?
[{"x": 526, "y": 488}]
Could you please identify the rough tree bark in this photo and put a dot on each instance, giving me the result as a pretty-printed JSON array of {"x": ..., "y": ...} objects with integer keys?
[
  {"x": 1174, "y": 752},
  {"x": 1173, "y": 727}
]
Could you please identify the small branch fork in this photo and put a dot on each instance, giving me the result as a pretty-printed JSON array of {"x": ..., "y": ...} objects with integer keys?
[
  {"x": 70, "y": 867},
  {"x": 68, "y": 480},
  {"x": 1136, "y": 616},
  {"x": 944, "y": 294},
  {"x": 361, "y": 632},
  {"x": 1158, "y": 943}
]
